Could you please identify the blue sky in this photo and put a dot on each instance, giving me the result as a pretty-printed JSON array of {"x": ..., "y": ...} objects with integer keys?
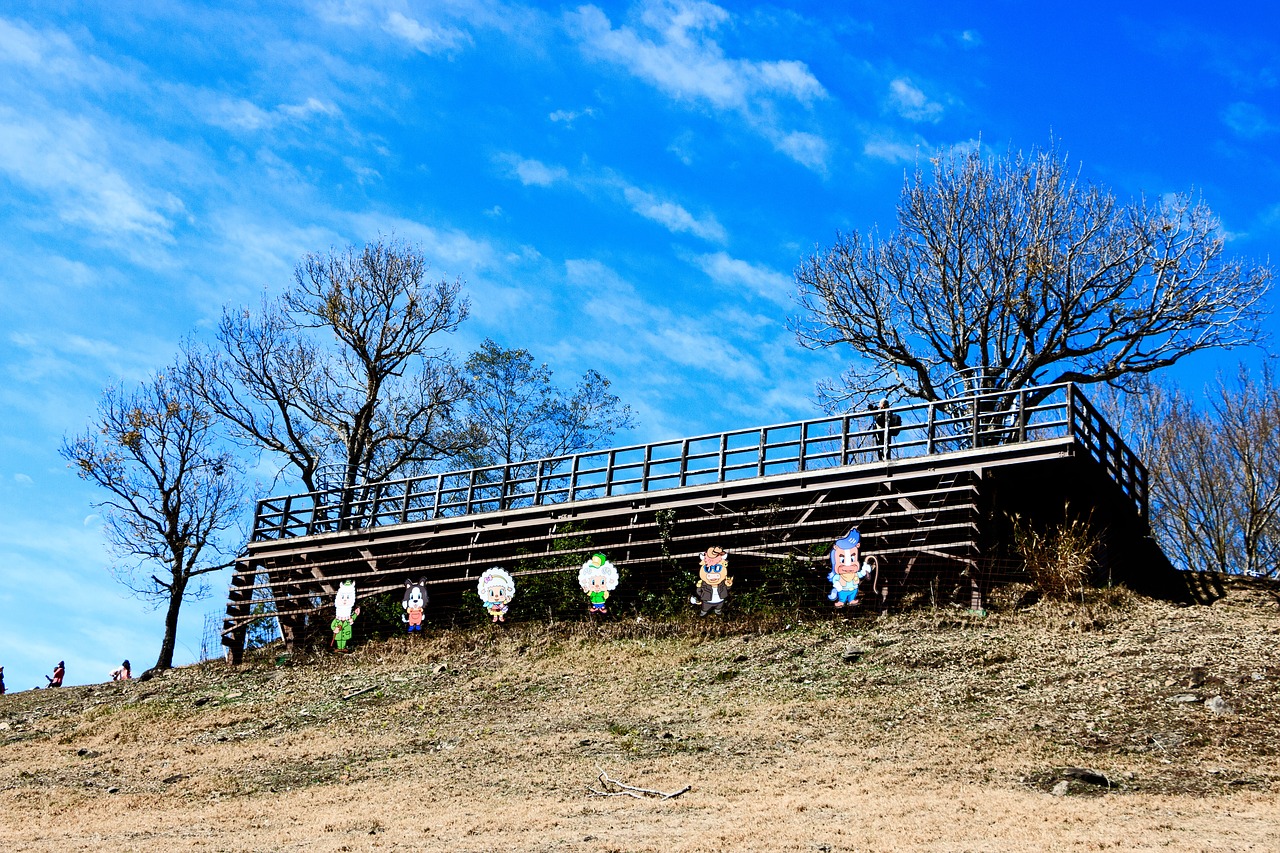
[{"x": 622, "y": 186}]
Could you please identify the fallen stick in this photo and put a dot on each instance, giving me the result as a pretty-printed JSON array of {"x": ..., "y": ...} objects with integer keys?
[
  {"x": 631, "y": 790},
  {"x": 358, "y": 692}
]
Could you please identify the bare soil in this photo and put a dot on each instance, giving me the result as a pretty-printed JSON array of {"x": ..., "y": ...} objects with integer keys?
[{"x": 1122, "y": 723}]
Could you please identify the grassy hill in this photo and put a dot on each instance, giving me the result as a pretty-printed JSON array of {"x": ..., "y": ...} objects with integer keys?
[{"x": 1120, "y": 723}]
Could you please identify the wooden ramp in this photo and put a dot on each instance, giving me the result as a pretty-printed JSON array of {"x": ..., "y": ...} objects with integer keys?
[{"x": 934, "y": 490}]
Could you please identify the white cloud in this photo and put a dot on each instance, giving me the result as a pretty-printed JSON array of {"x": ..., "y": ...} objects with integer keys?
[
  {"x": 238, "y": 114},
  {"x": 655, "y": 334},
  {"x": 805, "y": 148},
  {"x": 911, "y": 103},
  {"x": 51, "y": 55},
  {"x": 427, "y": 38},
  {"x": 892, "y": 150},
  {"x": 734, "y": 272},
  {"x": 63, "y": 159},
  {"x": 675, "y": 52},
  {"x": 450, "y": 251},
  {"x": 570, "y": 116},
  {"x": 23, "y": 479},
  {"x": 669, "y": 214},
  {"x": 1249, "y": 121},
  {"x": 533, "y": 172},
  {"x": 673, "y": 216}
]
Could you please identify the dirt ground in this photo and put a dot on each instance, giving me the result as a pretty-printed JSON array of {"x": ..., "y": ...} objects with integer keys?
[{"x": 1121, "y": 724}]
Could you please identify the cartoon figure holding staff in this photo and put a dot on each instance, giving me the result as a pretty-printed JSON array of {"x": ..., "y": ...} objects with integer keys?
[{"x": 846, "y": 574}]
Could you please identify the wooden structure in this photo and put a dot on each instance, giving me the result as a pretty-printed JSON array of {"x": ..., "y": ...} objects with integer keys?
[{"x": 935, "y": 490}]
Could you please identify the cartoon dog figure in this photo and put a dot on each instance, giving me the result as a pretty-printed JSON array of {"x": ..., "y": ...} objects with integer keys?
[{"x": 414, "y": 604}]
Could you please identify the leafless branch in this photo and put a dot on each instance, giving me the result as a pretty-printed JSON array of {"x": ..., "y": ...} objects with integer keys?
[{"x": 625, "y": 790}]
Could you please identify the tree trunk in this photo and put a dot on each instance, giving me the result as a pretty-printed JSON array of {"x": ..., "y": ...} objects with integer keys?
[{"x": 165, "y": 661}]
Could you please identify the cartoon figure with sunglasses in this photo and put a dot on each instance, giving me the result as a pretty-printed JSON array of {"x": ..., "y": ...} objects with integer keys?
[{"x": 713, "y": 590}]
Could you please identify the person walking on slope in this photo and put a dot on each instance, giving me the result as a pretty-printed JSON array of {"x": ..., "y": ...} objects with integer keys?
[{"x": 58, "y": 672}]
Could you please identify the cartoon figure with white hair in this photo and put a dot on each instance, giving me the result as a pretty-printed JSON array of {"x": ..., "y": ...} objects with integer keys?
[
  {"x": 344, "y": 616},
  {"x": 597, "y": 577},
  {"x": 496, "y": 589}
]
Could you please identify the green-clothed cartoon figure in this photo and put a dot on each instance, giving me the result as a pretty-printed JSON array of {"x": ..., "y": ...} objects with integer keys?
[
  {"x": 344, "y": 615},
  {"x": 597, "y": 577}
]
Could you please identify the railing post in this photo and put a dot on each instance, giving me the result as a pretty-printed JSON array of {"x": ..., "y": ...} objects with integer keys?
[
  {"x": 684, "y": 463},
  {"x": 929, "y": 443},
  {"x": 846, "y": 452},
  {"x": 537, "y": 484},
  {"x": 976, "y": 407},
  {"x": 1071, "y": 409},
  {"x": 435, "y": 502},
  {"x": 724, "y": 456},
  {"x": 471, "y": 490},
  {"x": 760, "y": 450},
  {"x": 404, "y": 505},
  {"x": 608, "y": 474},
  {"x": 573, "y": 478},
  {"x": 1022, "y": 415}
]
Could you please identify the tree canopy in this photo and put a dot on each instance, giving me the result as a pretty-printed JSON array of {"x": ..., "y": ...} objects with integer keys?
[
  {"x": 1008, "y": 272},
  {"x": 523, "y": 415},
  {"x": 343, "y": 372},
  {"x": 173, "y": 490}
]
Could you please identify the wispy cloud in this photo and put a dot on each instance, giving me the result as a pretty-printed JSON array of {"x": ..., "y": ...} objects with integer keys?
[
  {"x": 1249, "y": 120},
  {"x": 239, "y": 114},
  {"x": 893, "y": 149},
  {"x": 910, "y": 102},
  {"x": 667, "y": 212},
  {"x": 427, "y": 37},
  {"x": 673, "y": 216},
  {"x": 62, "y": 158},
  {"x": 532, "y": 173},
  {"x": 53, "y": 56},
  {"x": 734, "y": 272},
  {"x": 568, "y": 117},
  {"x": 654, "y": 332},
  {"x": 673, "y": 50}
]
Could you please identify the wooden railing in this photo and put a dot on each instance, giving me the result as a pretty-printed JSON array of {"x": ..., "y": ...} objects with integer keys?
[{"x": 923, "y": 429}]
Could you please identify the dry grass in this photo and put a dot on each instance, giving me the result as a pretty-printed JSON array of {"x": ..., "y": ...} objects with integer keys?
[{"x": 927, "y": 732}]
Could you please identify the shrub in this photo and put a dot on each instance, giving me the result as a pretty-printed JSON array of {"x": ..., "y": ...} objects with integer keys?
[{"x": 1060, "y": 560}]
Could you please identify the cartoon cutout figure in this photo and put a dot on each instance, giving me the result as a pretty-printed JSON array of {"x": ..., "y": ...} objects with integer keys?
[
  {"x": 414, "y": 604},
  {"x": 344, "y": 615},
  {"x": 845, "y": 573},
  {"x": 713, "y": 589},
  {"x": 496, "y": 589},
  {"x": 597, "y": 577}
]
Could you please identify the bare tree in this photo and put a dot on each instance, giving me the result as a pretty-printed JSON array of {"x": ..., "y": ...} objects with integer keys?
[
  {"x": 343, "y": 371},
  {"x": 1014, "y": 271},
  {"x": 173, "y": 490},
  {"x": 523, "y": 415},
  {"x": 1215, "y": 487}
]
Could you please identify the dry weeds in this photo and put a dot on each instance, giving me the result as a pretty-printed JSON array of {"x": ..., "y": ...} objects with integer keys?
[{"x": 1122, "y": 724}]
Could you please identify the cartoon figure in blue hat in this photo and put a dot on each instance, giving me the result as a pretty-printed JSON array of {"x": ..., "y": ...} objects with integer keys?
[{"x": 846, "y": 574}]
